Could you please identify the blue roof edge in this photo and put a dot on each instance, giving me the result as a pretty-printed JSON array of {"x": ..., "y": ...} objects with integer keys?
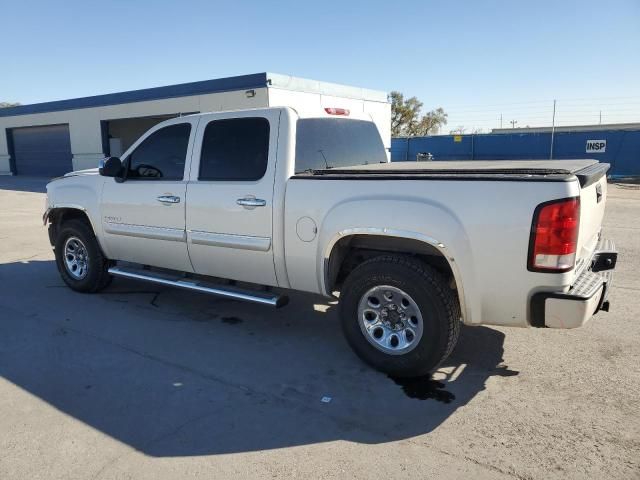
[{"x": 241, "y": 82}]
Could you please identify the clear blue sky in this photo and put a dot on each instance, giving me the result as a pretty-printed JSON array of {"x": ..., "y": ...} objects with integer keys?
[{"x": 476, "y": 59}]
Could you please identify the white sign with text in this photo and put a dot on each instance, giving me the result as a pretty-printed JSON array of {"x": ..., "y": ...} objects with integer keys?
[{"x": 596, "y": 146}]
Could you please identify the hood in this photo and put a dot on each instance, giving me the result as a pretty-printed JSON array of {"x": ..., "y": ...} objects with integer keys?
[{"x": 76, "y": 173}]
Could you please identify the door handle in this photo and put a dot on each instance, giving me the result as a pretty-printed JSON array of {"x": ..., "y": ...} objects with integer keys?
[
  {"x": 251, "y": 202},
  {"x": 168, "y": 199}
]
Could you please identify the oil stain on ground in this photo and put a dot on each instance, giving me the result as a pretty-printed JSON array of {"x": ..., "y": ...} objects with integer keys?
[
  {"x": 231, "y": 320},
  {"x": 424, "y": 388}
]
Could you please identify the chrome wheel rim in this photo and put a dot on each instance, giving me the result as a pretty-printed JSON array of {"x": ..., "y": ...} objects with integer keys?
[
  {"x": 76, "y": 258},
  {"x": 390, "y": 320}
]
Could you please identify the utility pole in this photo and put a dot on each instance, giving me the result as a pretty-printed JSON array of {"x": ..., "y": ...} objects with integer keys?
[
  {"x": 513, "y": 123},
  {"x": 500, "y": 120},
  {"x": 553, "y": 129},
  {"x": 600, "y": 123}
]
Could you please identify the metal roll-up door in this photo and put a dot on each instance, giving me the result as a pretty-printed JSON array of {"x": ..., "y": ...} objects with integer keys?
[{"x": 42, "y": 151}]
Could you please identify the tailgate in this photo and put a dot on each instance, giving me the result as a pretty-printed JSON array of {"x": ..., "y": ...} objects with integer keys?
[{"x": 593, "y": 197}]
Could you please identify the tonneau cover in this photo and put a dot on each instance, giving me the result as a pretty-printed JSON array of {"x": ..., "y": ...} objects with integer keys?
[
  {"x": 587, "y": 171},
  {"x": 555, "y": 166}
]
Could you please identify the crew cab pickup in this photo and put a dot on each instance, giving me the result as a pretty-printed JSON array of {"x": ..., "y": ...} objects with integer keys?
[{"x": 252, "y": 204}]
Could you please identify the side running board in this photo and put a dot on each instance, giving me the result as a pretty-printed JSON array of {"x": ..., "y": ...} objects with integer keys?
[{"x": 264, "y": 298}]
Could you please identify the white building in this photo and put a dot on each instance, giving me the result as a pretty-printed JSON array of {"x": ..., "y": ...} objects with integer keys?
[{"x": 52, "y": 138}]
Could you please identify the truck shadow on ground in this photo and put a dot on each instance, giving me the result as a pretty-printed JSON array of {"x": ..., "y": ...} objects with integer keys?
[{"x": 172, "y": 373}]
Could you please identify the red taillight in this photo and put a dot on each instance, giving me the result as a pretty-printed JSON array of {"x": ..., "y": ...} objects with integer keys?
[
  {"x": 337, "y": 111},
  {"x": 554, "y": 236}
]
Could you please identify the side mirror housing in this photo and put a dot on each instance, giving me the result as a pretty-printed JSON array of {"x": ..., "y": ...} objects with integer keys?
[{"x": 110, "y": 167}]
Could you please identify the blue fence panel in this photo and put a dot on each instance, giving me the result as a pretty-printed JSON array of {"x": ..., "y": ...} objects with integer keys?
[
  {"x": 441, "y": 147},
  {"x": 622, "y": 150},
  {"x": 512, "y": 147},
  {"x": 626, "y": 161},
  {"x": 399, "y": 149}
]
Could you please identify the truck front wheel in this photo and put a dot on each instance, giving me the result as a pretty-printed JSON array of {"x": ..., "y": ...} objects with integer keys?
[
  {"x": 399, "y": 315},
  {"x": 80, "y": 261}
]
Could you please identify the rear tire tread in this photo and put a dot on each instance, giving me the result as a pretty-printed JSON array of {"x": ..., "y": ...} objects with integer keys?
[{"x": 435, "y": 283}]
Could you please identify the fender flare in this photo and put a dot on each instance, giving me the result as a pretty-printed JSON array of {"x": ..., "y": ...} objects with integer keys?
[
  {"x": 59, "y": 206},
  {"x": 46, "y": 217},
  {"x": 388, "y": 232}
]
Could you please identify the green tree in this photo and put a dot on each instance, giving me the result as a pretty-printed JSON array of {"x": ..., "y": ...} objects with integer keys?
[
  {"x": 8, "y": 104},
  {"x": 407, "y": 121}
]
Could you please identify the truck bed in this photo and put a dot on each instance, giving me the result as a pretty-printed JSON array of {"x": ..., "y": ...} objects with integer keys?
[{"x": 587, "y": 171}]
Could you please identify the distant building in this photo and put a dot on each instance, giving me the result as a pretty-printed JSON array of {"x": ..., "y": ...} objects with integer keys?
[{"x": 52, "y": 138}]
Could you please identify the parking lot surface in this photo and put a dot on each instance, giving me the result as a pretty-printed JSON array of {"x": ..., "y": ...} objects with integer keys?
[{"x": 146, "y": 382}]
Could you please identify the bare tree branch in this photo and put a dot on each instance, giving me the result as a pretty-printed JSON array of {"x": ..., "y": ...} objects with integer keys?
[{"x": 406, "y": 119}]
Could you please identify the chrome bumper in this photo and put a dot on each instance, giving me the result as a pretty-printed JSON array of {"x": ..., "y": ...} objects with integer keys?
[{"x": 586, "y": 297}]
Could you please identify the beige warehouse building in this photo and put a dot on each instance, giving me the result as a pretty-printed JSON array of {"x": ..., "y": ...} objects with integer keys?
[{"x": 52, "y": 138}]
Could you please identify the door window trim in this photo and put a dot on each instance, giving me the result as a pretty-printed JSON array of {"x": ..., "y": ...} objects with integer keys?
[
  {"x": 187, "y": 156},
  {"x": 236, "y": 180}
]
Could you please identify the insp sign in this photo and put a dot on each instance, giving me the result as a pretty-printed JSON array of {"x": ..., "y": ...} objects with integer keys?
[{"x": 596, "y": 146}]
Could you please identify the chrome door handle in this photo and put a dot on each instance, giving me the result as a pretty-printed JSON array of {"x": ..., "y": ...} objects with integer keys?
[
  {"x": 168, "y": 199},
  {"x": 251, "y": 202}
]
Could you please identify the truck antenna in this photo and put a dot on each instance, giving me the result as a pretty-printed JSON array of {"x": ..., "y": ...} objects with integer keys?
[{"x": 326, "y": 164}]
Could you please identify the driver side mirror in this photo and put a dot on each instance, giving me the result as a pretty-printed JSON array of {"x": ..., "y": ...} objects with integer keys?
[{"x": 110, "y": 167}]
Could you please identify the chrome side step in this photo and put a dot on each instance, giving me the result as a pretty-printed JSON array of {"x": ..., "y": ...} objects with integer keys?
[{"x": 264, "y": 298}]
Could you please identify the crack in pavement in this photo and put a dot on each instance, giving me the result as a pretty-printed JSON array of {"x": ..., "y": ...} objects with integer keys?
[
  {"x": 487, "y": 466},
  {"x": 153, "y": 441}
]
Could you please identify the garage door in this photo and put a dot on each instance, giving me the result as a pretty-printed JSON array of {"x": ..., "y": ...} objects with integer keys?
[{"x": 42, "y": 151}]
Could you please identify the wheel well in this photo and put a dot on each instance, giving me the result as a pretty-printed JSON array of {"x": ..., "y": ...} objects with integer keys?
[
  {"x": 59, "y": 216},
  {"x": 351, "y": 251}
]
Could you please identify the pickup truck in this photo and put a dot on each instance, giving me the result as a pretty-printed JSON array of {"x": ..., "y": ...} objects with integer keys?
[{"x": 251, "y": 204}]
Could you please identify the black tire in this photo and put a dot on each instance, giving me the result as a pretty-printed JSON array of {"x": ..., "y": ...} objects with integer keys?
[
  {"x": 97, "y": 276},
  {"x": 437, "y": 302}
]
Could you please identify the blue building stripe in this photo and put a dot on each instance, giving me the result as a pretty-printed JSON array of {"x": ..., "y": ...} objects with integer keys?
[{"x": 243, "y": 82}]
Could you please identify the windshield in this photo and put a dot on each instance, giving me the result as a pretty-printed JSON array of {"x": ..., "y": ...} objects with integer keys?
[{"x": 323, "y": 143}]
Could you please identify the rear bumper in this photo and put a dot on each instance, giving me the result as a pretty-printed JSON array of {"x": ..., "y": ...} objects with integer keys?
[{"x": 586, "y": 297}]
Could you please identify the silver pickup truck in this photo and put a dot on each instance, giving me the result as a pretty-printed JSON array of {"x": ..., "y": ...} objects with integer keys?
[{"x": 251, "y": 204}]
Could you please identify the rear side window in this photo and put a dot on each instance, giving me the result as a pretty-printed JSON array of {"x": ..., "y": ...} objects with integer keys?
[
  {"x": 323, "y": 143},
  {"x": 235, "y": 149},
  {"x": 162, "y": 155}
]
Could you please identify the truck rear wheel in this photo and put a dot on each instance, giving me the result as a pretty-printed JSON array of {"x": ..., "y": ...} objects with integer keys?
[
  {"x": 79, "y": 259},
  {"x": 399, "y": 315}
]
